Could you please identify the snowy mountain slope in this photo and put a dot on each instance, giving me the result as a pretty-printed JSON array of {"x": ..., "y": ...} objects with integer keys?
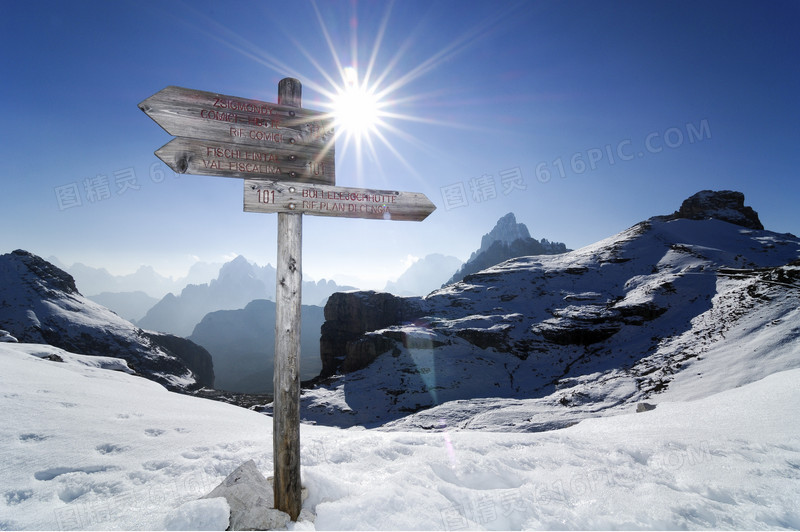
[
  {"x": 89, "y": 448},
  {"x": 570, "y": 336},
  {"x": 40, "y": 303}
]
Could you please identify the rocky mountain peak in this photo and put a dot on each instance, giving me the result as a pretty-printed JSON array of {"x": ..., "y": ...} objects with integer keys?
[
  {"x": 505, "y": 230},
  {"x": 725, "y": 205},
  {"x": 507, "y": 240},
  {"x": 238, "y": 267}
]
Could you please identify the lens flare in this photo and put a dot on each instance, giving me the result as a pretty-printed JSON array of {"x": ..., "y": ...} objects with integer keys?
[{"x": 356, "y": 108}]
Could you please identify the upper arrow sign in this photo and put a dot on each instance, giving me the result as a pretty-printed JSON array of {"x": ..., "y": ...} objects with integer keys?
[
  {"x": 324, "y": 200},
  {"x": 303, "y": 133}
]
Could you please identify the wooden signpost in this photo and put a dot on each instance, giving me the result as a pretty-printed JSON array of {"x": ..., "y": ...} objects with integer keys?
[{"x": 287, "y": 155}]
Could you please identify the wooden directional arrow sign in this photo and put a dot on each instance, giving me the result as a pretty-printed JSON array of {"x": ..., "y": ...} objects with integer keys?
[
  {"x": 259, "y": 130},
  {"x": 324, "y": 200},
  {"x": 208, "y": 157}
]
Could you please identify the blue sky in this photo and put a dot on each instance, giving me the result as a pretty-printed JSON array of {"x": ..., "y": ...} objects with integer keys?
[{"x": 582, "y": 118}]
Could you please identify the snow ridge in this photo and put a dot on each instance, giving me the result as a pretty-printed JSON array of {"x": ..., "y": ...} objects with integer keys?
[{"x": 541, "y": 342}]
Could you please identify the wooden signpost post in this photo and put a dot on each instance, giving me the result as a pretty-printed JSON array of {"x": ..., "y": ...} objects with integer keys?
[{"x": 286, "y": 154}]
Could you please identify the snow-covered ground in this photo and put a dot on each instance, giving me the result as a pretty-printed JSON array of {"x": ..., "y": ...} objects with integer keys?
[{"x": 87, "y": 447}]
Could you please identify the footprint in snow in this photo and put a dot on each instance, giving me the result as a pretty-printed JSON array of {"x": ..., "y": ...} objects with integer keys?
[
  {"x": 14, "y": 497},
  {"x": 53, "y": 472},
  {"x": 154, "y": 432},
  {"x": 32, "y": 437},
  {"x": 110, "y": 448}
]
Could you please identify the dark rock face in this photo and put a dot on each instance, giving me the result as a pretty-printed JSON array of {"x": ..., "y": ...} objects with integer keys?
[
  {"x": 195, "y": 357},
  {"x": 725, "y": 205},
  {"x": 348, "y": 315}
]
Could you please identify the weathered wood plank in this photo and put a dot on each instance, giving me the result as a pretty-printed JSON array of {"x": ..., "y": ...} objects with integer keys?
[
  {"x": 286, "y": 406},
  {"x": 206, "y": 115},
  {"x": 325, "y": 200},
  {"x": 208, "y": 157}
]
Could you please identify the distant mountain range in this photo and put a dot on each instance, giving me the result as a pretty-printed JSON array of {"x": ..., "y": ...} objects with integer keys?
[
  {"x": 207, "y": 287},
  {"x": 239, "y": 282},
  {"x": 686, "y": 301},
  {"x": 95, "y": 281}
]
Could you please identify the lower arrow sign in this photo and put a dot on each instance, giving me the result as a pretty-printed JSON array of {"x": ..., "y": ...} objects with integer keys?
[{"x": 325, "y": 200}]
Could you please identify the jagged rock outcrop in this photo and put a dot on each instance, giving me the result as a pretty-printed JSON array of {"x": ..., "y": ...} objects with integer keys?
[
  {"x": 505, "y": 230},
  {"x": 725, "y": 205},
  {"x": 348, "y": 315},
  {"x": 507, "y": 240},
  {"x": 196, "y": 357},
  {"x": 39, "y": 303}
]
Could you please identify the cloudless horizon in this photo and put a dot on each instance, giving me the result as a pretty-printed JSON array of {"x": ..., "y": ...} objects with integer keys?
[{"x": 582, "y": 118}]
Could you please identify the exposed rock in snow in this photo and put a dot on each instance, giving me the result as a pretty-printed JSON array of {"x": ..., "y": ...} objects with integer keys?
[
  {"x": 725, "y": 205},
  {"x": 41, "y": 304},
  {"x": 5, "y": 336},
  {"x": 250, "y": 497},
  {"x": 348, "y": 315}
]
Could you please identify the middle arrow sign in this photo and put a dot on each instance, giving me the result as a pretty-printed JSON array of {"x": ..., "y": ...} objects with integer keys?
[{"x": 208, "y": 157}]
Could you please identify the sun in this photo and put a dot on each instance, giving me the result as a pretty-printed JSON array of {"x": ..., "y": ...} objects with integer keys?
[{"x": 356, "y": 108}]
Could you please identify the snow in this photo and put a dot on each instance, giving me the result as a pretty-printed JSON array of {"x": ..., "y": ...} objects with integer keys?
[
  {"x": 90, "y": 448},
  {"x": 204, "y": 514}
]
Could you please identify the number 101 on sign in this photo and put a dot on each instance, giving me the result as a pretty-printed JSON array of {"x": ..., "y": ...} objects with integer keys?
[{"x": 266, "y": 196}]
